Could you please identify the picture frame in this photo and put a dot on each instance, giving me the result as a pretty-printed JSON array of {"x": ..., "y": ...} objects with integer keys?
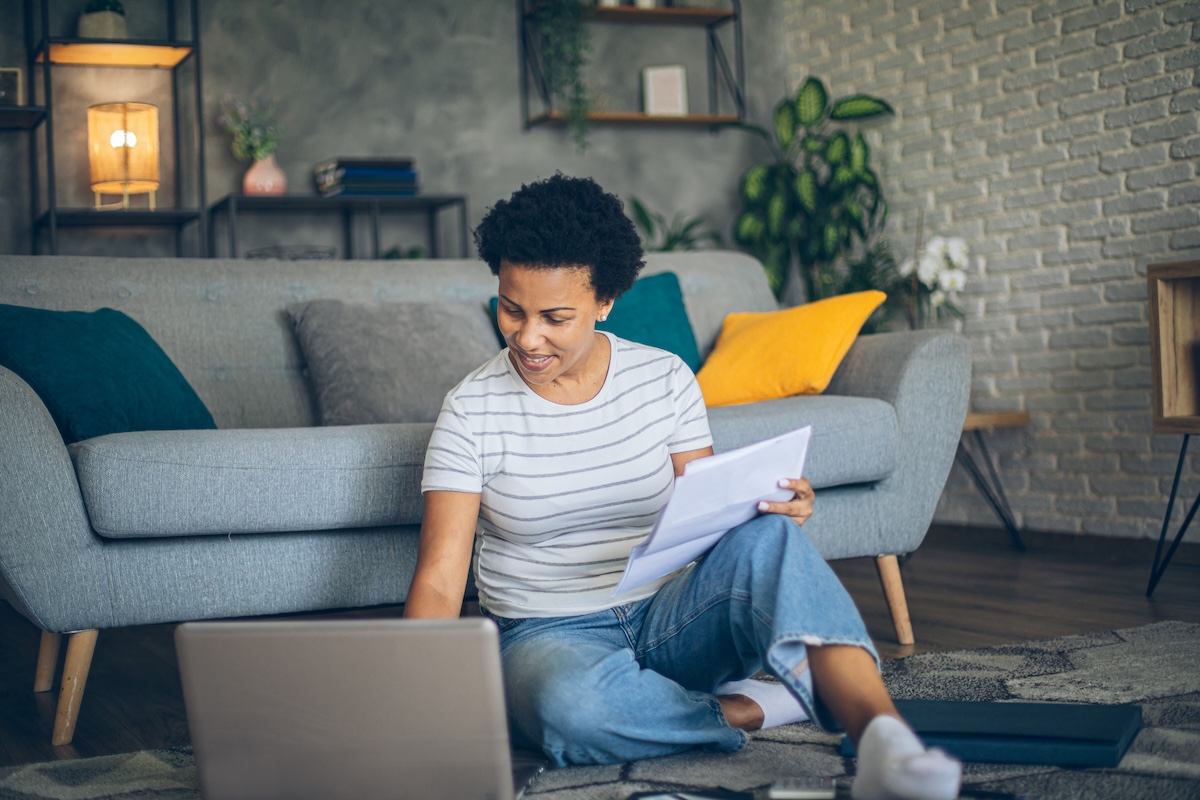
[
  {"x": 664, "y": 90},
  {"x": 12, "y": 87}
]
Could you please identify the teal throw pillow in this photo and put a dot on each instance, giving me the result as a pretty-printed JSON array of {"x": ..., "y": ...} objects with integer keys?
[
  {"x": 98, "y": 372},
  {"x": 651, "y": 312}
]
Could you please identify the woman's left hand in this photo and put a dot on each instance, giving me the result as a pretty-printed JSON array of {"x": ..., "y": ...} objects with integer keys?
[{"x": 799, "y": 508}]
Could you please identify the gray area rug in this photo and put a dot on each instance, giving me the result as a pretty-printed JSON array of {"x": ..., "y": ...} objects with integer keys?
[{"x": 1156, "y": 666}]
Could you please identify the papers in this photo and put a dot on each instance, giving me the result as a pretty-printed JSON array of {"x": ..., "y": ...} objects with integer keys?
[{"x": 713, "y": 495}]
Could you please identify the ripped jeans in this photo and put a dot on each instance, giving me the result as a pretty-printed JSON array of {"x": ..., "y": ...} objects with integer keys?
[{"x": 636, "y": 681}]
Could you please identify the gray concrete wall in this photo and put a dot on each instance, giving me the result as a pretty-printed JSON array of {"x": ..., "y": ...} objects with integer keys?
[
  {"x": 434, "y": 80},
  {"x": 1061, "y": 139}
]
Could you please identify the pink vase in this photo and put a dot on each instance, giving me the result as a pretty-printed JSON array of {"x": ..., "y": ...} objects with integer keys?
[{"x": 264, "y": 178}]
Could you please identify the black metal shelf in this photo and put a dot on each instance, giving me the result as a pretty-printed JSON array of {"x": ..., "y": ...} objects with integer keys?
[
  {"x": 373, "y": 205},
  {"x": 21, "y": 117},
  {"x": 46, "y": 52}
]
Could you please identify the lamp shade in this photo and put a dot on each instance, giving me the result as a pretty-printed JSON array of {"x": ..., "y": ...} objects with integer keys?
[{"x": 123, "y": 148}]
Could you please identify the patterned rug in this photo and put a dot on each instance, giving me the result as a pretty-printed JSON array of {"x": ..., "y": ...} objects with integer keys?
[{"x": 1156, "y": 666}]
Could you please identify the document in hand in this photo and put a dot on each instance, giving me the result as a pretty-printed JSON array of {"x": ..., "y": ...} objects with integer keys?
[{"x": 713, "y": 495}]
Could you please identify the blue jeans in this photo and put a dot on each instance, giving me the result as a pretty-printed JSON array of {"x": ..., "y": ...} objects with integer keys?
[{"x": 636, "y": 681}]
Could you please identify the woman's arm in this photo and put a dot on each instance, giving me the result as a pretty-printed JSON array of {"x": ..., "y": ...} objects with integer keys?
[{"x": 443, "y": 555}]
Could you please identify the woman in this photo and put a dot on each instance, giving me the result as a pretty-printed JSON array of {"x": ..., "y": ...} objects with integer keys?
[{"x": 553, "y": 459}]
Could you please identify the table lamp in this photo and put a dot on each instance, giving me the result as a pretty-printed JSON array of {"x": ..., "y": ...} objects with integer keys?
[{"x": 123, "y": 150}]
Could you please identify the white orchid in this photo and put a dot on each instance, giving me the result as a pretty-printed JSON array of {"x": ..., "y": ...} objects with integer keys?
[
  {"x": 952, "y": 280},
  {"x": 933, "y": 278}
]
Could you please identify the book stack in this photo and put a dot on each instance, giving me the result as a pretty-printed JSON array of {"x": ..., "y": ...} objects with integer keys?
[{"x": 362, "y": 176}]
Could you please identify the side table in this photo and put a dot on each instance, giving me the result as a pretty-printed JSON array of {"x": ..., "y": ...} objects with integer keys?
[
  {"x": 989, "y": 484},
  {"x": 235, "y": 205},
  {"x": 1174, "y": 291}
]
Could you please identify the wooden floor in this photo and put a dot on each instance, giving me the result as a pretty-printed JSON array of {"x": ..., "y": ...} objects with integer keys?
[{"x": 965, "y": 587}]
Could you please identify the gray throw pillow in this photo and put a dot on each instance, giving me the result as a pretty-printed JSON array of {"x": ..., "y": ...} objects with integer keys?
[{"x": 388, "y": 362}]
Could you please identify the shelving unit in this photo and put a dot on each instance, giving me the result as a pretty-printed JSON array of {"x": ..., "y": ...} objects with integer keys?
[
  {"x": 46, "y": 52},
  {"x": 1174, "y": 291},
  {"x": 721, "y": 73}
]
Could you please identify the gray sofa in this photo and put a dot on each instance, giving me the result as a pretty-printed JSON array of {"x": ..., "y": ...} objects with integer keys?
[{"x": 271, "y": 514}]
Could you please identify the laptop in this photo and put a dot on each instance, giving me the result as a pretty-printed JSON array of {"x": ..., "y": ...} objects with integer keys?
[{"x": 357, "y": 709}]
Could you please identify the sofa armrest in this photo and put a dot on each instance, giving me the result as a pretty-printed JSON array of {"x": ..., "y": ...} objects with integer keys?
[
  {"x": 201, "y": 482},
  {"x": 45, "y": 540},
  {"x": 926, "y": 376}
]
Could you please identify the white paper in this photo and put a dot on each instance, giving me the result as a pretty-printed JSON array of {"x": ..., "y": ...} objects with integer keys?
[{"x": 713, "y": 495}]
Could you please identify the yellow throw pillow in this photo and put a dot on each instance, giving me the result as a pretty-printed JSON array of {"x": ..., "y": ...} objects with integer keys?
[{"x": 773, "y": 354}]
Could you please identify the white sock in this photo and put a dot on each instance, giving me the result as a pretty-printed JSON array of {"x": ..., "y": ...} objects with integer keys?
[
  {"x": 893, "y": 764},
  {"x": 779, "y": 706}
]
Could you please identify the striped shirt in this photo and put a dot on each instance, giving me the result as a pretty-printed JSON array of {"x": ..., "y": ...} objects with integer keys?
[{"x": 565, "y": 490}]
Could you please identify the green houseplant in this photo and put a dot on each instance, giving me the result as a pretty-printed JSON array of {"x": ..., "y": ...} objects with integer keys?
[
  {"x": 681, "y": 233},
  {"x": 565, "y": 45},
  {"x": 817, "y": 201}
]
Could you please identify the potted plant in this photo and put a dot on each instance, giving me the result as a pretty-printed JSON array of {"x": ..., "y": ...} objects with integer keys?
[
  {"x": 817, "y": 201},
  {"x": 565, "y": 44},
  {"x": 681, "y": 233},
  {"x": 102, "y": 19},
  {"x": 255, "y": 138}
]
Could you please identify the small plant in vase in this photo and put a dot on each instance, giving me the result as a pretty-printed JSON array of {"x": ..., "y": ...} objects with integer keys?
[
  {"x": 928, "y": 283},
  {"x": 102, "y": 19},
  {"x": 255, "y": 138}
]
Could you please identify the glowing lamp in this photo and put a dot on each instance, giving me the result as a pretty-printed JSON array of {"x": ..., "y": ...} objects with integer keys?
[{"x": 123, "y": 150}]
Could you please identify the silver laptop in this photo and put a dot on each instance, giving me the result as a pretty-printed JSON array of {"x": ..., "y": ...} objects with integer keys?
[{"x": 349, "y": 709}]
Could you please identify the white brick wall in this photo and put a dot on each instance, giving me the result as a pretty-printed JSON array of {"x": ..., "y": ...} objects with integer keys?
[{"x": 1062, "y": 140}]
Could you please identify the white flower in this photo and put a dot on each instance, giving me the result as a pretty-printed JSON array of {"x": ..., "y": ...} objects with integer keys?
[
  {"x": 907, "y": 268},
  {"x": 952, "y": 280},
  {"x": 928, "y": 269},
  {"x": 938, "y": 298},
  {"x": 936, "y": 247},
  {"x": 956, "y": 251}
]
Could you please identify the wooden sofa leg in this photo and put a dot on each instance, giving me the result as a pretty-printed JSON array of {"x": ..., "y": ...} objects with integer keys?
[
  {"x": 80, "y": 646},
  {"x": 47, "y": 663},
  {"x": 893, "y": 590}
]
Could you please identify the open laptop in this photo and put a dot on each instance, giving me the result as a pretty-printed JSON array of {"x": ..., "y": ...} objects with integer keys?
[{"x": 349, "y": 709}]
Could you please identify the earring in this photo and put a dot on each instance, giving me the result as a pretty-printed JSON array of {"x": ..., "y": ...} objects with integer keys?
[{"x": 604, "y": 317}]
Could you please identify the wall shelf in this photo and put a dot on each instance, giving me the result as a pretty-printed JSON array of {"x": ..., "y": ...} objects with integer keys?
[
  {"x": 124, "y": 53},
  {"x": 721, "y": 73},
  {"x": 639, "y": 118}
]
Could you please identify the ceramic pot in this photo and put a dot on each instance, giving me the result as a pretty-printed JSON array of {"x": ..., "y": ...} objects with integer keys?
[
  {"x": 102, "y": 25},
  {"x": 264, "y": 178}
]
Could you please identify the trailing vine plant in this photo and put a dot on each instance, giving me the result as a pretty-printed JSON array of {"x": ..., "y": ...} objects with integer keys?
[{"x": 565, "y": 45}]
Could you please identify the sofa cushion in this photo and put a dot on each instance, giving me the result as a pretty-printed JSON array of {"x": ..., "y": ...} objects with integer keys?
[
  {"x": 652, "y": 312},
  {"x": 768, "y": 355},
  {"x": 97, "y": 372},
  {"x": 388, "y": 362},
  {"x": 855, "y": 439},
  {"x": 187, "y": 483}
]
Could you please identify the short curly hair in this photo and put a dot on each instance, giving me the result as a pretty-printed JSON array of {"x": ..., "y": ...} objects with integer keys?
[{"x": 564, "y": 222}]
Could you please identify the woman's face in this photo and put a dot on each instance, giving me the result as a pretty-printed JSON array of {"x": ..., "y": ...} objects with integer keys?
[{"x": 548, "y": 318}]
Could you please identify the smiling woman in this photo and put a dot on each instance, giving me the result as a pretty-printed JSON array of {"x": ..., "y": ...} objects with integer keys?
[{"x": 552, "y": 460}]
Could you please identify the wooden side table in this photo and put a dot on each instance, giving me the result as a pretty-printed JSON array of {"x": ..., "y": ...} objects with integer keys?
[
  {"x": 1175, "y": 364},
  {"x": 989, "y": 484}
]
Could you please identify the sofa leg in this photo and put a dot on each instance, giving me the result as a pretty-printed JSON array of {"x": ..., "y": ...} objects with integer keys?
[
  {"x": 893, "y": 590},
  {"x": 47, "y": 663},
  {"x": 80, "y": 647}
]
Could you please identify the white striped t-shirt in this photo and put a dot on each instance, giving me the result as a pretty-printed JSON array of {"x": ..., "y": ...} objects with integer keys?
[{"x": 565, "y": 490}]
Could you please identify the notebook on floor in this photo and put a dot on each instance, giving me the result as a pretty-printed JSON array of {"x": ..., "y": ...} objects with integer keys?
[
  {"x": 349, "y": 709},
  {"x": 1059, "y": 734}
]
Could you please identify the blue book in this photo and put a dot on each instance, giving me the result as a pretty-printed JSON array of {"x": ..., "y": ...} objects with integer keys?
[{"x": 1059, "y": 734}]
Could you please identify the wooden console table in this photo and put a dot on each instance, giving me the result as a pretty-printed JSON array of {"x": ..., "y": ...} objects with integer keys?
[
  {"x": 992, "y": 490},
  {"x": 431, "y": 205},
  {"x": 1175, "y": 365}
]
